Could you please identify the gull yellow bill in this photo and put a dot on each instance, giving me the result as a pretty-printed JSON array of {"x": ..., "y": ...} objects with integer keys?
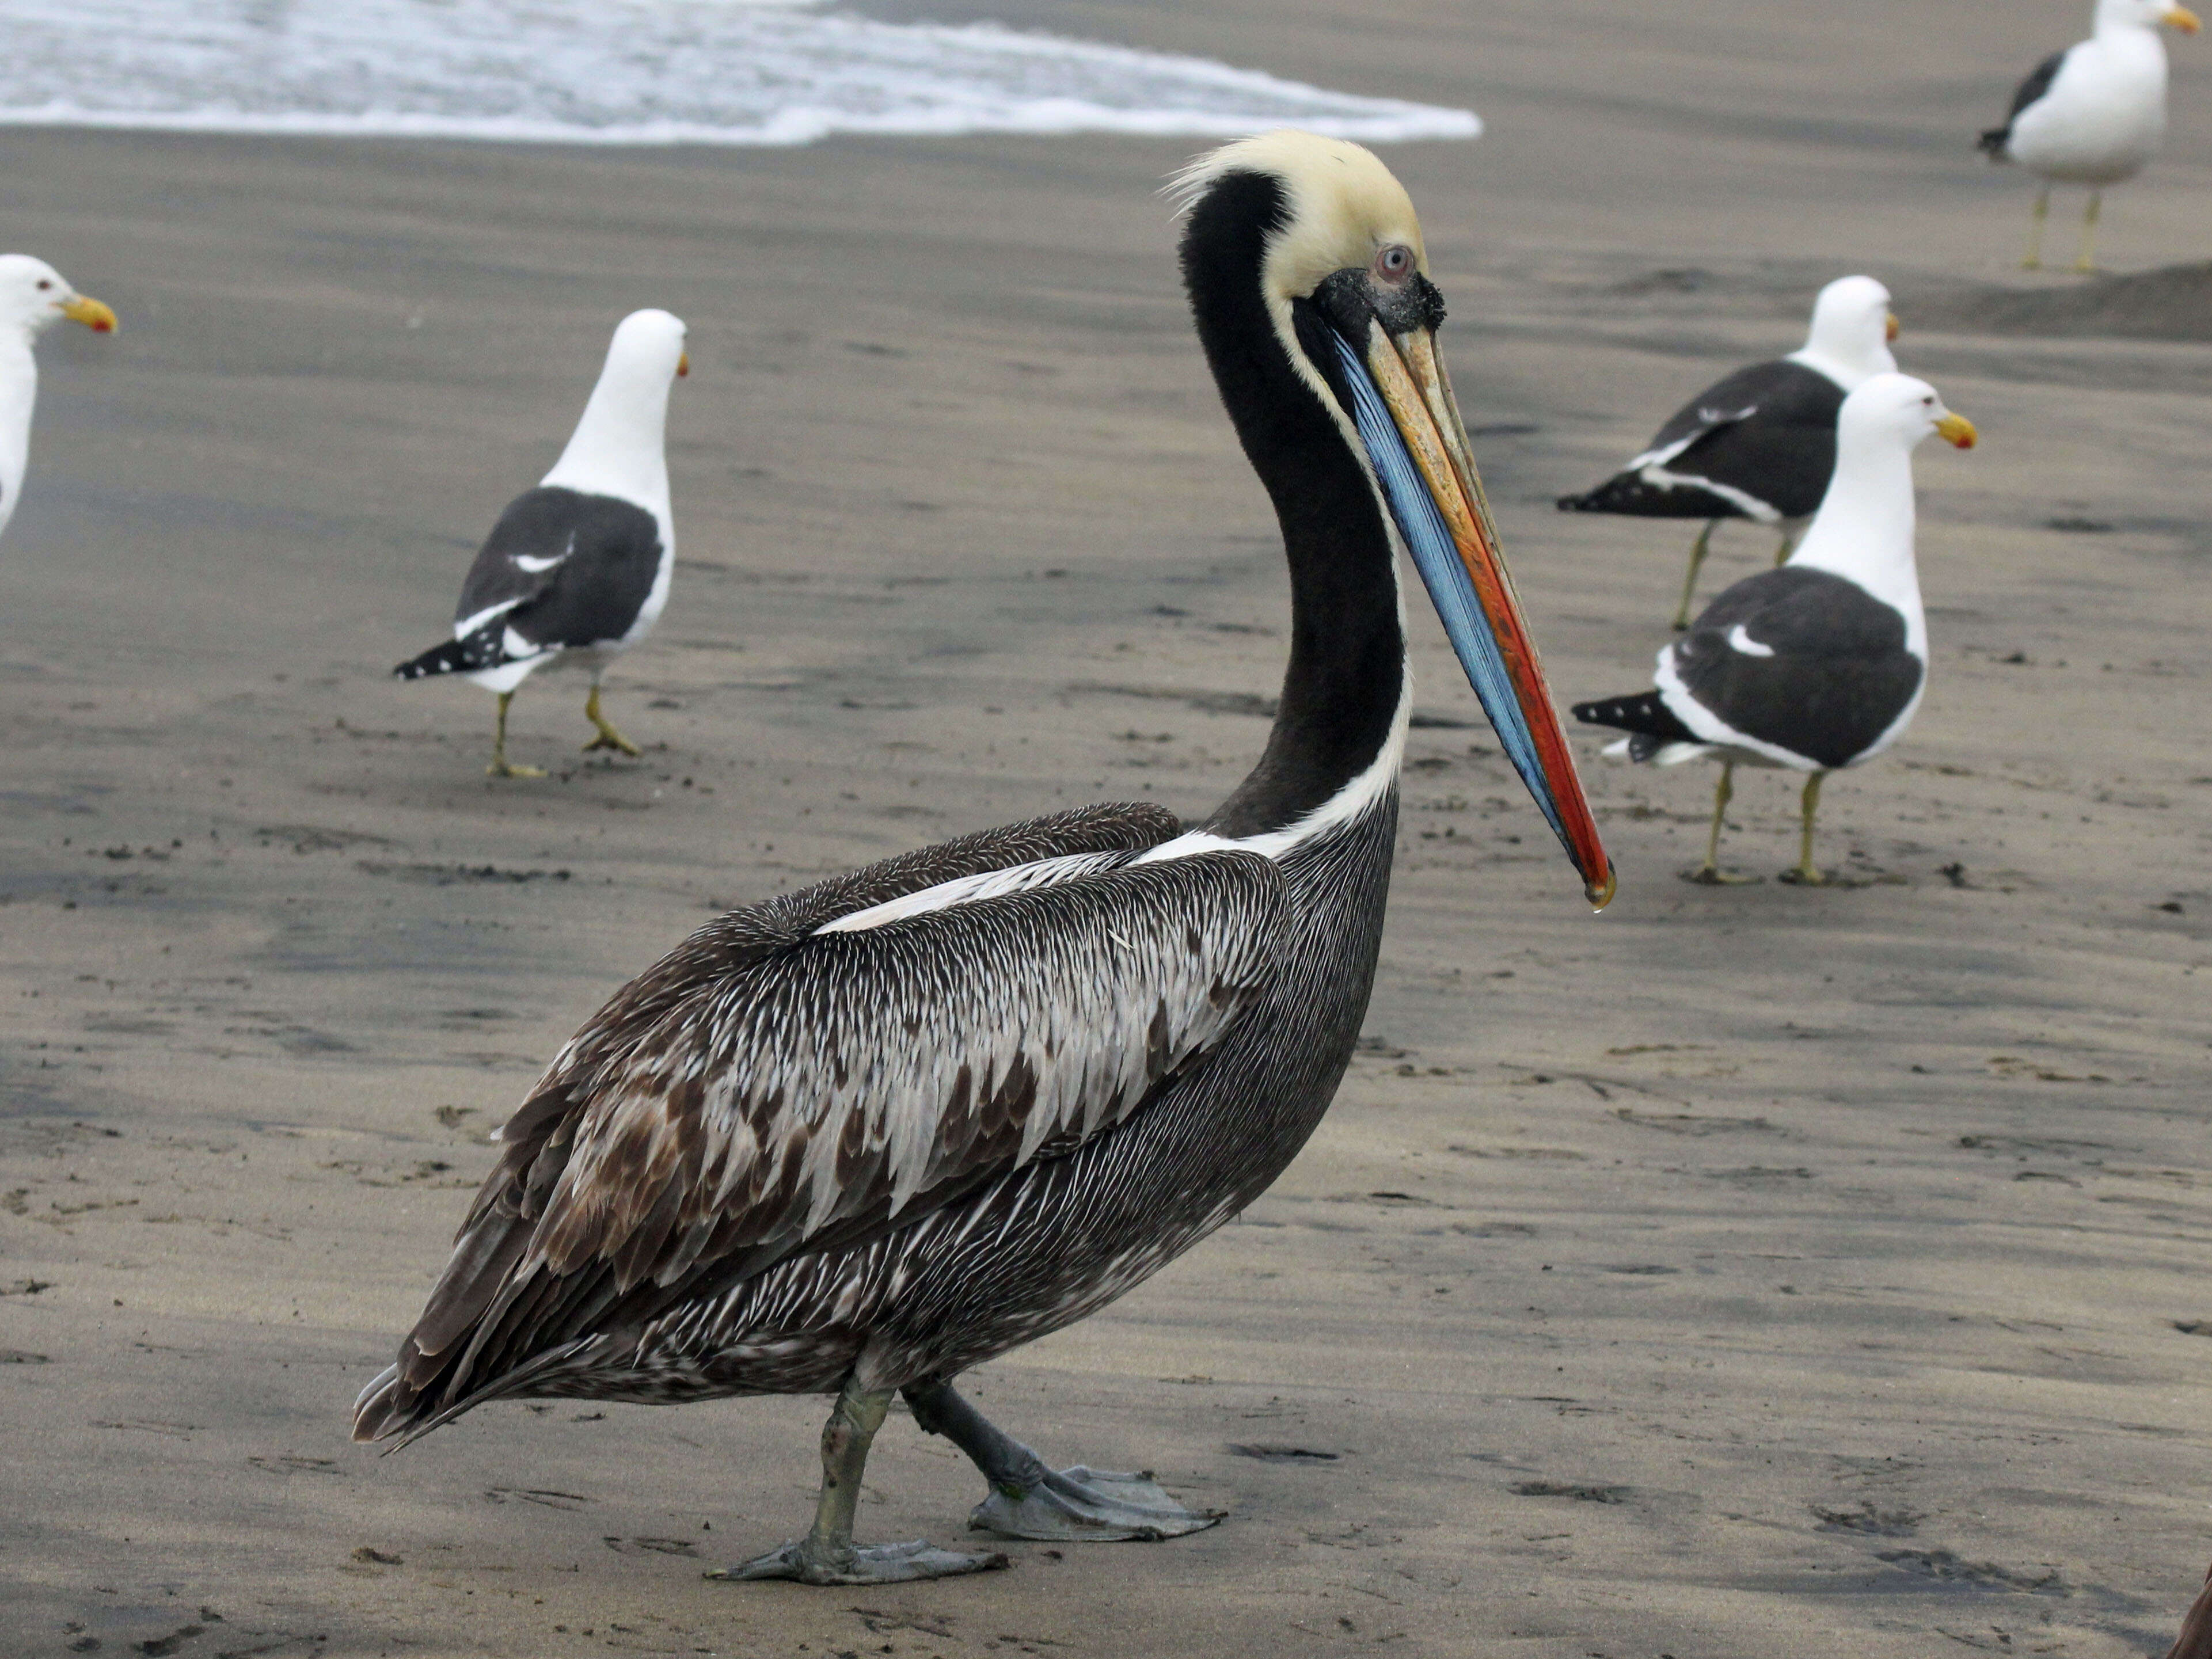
[
  {"x": 1410, "y": 424},
  {"x": 83, "y": 308},
  {"x": 1891, "y": 327},
  {"x": 2183, "y": 19},
  {"x": 1957, "y": 431}
]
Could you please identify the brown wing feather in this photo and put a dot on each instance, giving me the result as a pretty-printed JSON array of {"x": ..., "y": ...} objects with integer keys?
[{"x": 766, "y": 1089}]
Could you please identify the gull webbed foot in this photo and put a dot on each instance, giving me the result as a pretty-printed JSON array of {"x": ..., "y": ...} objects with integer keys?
[
  {"x": 1082, "y": 1505},
  {"x": 1711, "y": 875},
  {"x": 608, "y": 737}
]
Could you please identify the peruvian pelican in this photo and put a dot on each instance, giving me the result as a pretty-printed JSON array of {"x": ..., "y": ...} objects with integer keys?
[{"x": 859, "y": 1138}]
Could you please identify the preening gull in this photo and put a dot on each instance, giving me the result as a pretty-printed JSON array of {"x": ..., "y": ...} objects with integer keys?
[
  {"x": 2093, "y": 114},
  {"x": 1761, "y": 444},
  {"x": 33, "y": 297},
  {"x": 1818, "y": 665},
  {"x": 576, "y": 571}
]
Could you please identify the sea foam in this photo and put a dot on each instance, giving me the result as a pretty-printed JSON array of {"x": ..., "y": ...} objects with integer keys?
[{"x": 625, "y": 72}]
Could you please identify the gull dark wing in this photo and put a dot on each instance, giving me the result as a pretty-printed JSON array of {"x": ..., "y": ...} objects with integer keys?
[
  {"x": 768, "y": 1090},
  {"x": 1802, "y": 659},
  {"x": 1766, "y": 433},
  {"x": 560, "y": 568},
  {"x": 564, "y": 568},
  {"x": 1993, "y": 142}
]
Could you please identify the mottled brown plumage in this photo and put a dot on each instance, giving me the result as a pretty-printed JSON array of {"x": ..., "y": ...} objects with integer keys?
[{"x": 768, "y": 1089}]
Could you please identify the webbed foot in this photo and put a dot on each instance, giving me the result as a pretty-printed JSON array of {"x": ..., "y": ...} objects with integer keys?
[
  {"x": 504, "y": 767},
  {"x": 608, "y": 737},
  {"x": 1711, "y": 875},
  {"x": 1804, "y": 875},
  {"x": 1080, "y": 1504},
  {"x": 876, "y": 1563}
]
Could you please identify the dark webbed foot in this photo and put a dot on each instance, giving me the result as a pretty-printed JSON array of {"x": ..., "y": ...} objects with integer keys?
[
  {"x": 1028, "y": 1500},
  {"x": 826, "y": 1555},
  {"x": 1082, "y": 1505},
  {"x": 875, "y": 1563}
]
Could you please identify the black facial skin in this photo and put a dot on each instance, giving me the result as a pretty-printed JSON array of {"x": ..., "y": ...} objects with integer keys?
[
  {"x": 1349, "y": 297},
  {"x": 1341, "y": 306}
]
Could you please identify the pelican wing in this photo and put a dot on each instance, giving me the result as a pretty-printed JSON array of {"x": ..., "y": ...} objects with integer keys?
[{"x": 774, "y": 1087}]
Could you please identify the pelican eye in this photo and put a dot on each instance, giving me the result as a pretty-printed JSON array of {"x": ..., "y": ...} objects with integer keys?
[{"x": 1394, "y": 263}]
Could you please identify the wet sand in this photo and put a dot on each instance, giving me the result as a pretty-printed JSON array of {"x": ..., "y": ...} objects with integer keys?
[{"x": 1741, "y": 1272}]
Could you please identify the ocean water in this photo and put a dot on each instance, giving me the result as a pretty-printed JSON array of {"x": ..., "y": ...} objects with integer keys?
[{"x": 624, "y": 71}]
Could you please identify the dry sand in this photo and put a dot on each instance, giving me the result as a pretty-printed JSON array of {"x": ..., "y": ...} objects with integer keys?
[{"x": 1747, "y": 1272}]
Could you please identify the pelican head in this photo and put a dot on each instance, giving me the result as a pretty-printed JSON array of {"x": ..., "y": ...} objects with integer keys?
[
  {"x": 33, "y": 295},
  {"x": 1346, "y": 296}
]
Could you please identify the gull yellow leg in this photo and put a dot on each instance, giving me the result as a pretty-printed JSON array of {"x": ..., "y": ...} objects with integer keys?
[
  {"x": 1805, "y": 875},
  {"x": 2034, "y": 260},
  {"x": 608, "y": 738},
  {"x": 1698, "y": 550},
  {"x": 500, "y": 767},
  {"x": 1708, "y": 873},
  {"x": 2086, "y": 264},
  {"x": 1782, "y": 553}
]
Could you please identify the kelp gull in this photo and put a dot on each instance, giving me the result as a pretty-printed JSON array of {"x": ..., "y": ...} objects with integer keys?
[
  {"x": 2093, "y": 114},
  {"x": 1819, "y": 665},
  {"x": 576, "y": 571},
  {"x": 1760, "y": 444},
  {"x": 33, "y": 295}
]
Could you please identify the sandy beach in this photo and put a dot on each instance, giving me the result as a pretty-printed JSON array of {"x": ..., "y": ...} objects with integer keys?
[{"x": 1740, "y": 1273}]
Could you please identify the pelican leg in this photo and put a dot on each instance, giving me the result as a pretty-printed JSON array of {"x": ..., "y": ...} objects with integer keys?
[
  {"x": 608, "y": 738},
  {"x": 1028, "y": 1500},
  {"x": 826, "y": 1555},
  {"x": 2086, "y": 264},
  {"x": 2034, "y": 260},
  {"x": 1805, "y": 875},
  {"x": 1708, "y": 874},
  {"x": 1698, "y": 550},
  {"x": 500, "y": 767}
]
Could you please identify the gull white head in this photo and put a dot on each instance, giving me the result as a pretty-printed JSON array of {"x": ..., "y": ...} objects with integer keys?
[
  {"x": 2144, "y": 14},
  {"x": 33, "y": 294},
  {"x": 1852, "y": 327},
  {"x": 1864, "y": 529},
  {"x": 619, "y": 446},
  {"x": 1896, "y": 410}
]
